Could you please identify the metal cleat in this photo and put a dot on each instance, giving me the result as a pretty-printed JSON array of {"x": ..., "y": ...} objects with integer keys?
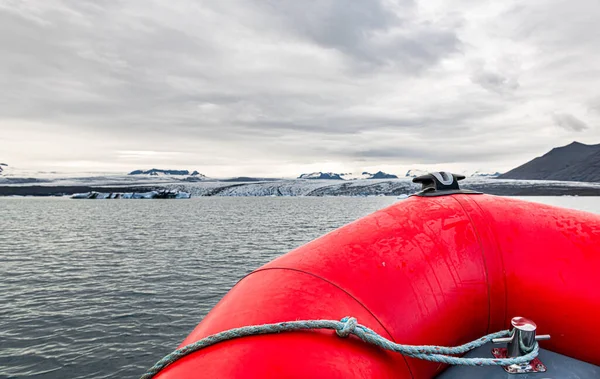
[{"x": 521, "y": 341}]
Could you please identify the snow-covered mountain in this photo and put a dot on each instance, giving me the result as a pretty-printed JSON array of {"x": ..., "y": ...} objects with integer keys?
[
  {"x": 413, "y": 173},
  {"x": 352, "y": 176},
  {"x": 10, "y": 171},
  {"x": 487, "y": 174},
  {"x": 321, "y": 175},
  {"x": 195, "y": 175},
  {"x": 347, "y": 176},
  {"x": 381, "y": 175}
]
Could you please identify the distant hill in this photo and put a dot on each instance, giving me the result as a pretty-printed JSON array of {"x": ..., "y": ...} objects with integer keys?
[
  {"x": 574, "y": 162},
  {"x": 413, "y": 173},
  {"x": 381, "y": 175},
  {"x": 321, "y": 175},
  {"x": 2, "y": 168},
  {"x": 347, "y": 176},
  {"x": 493, "y": 174},
  {"x": 160, "y": 172}
]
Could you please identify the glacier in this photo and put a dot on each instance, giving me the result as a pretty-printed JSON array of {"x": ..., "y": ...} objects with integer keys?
[
  {"x": 104, "y": 185},
  {"x": 383, "y": 187}
]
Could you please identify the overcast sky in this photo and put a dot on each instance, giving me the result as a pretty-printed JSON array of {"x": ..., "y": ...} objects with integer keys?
[{"x": 281, "y": 87}]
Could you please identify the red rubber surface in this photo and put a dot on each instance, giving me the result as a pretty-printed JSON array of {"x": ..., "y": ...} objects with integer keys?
[{"x": 442, "y": 270}]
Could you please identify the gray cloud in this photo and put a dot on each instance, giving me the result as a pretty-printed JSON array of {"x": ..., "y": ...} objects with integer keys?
[
  {"x": 569, "y": 122},
  {"x": 594, "y": 105},
  {"x": 428, "y": 154},
  {"x": 494, "y": 81},
  {"x": 368, "y": 32},
  {"x": 261, "y": 87}
]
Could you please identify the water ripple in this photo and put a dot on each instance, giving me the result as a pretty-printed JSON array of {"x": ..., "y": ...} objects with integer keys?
[{"x": 103, "y": 289}]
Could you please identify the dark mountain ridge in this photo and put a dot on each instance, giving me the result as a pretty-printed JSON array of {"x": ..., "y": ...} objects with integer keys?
[
  {"x": 381, "y": 175},
  {"x": 156, "y": 172},
  {"x": 574, "y": 162},
  {"x": 347, "y": 176}
]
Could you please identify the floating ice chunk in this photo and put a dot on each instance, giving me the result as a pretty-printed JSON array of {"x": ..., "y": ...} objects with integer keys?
[
  {"x": 183, "y": 195},
  {"x": 144, "y": 195},
  {"x": 84, "y": 195},
  {"x": 165, "y": 194}
]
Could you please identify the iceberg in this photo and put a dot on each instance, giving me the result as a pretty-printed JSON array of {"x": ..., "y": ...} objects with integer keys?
[{"x": 164, "y": 194}]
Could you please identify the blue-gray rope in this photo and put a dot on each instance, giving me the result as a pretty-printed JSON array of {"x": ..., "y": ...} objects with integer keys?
[{"x": 344, "y": 328}]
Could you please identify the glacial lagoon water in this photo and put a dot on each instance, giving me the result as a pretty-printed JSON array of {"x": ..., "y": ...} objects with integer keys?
[{"x": 104, "y": 288}]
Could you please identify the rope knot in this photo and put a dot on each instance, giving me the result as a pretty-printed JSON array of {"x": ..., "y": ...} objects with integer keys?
[{"x": 348, "y": 328}]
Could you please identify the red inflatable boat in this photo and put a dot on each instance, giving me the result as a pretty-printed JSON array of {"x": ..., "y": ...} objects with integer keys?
[{"x": 443, "y": 268}]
